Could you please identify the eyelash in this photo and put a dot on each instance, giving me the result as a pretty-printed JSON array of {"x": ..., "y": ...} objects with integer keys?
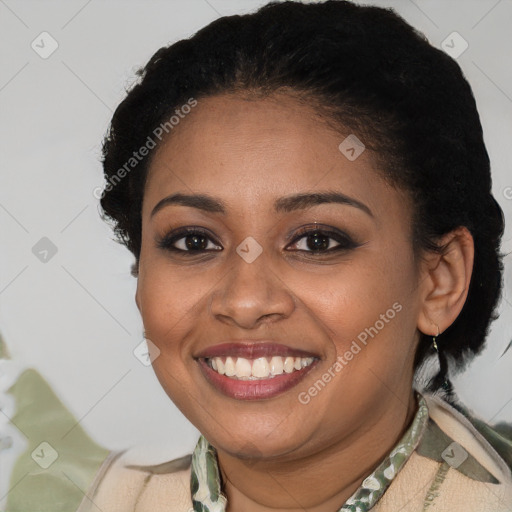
[
  {"x": 168, "y": 241},
  {"x": 345, "y": 242}
]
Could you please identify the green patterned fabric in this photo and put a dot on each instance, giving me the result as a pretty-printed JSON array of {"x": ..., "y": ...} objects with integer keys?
[
  {"x": 205, "y": 479},
  {"x": 375, "y": 485},
  {"x": 60, "y": 461},
  {"x": 207, "y": 493},
  {"x": 433, "y": 444}
]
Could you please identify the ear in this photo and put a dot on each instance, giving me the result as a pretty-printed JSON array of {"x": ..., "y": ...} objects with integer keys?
[{"x": 445, "y": 281}]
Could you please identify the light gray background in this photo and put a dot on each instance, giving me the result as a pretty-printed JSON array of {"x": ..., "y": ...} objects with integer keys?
[{"x": 74, "y": 317}]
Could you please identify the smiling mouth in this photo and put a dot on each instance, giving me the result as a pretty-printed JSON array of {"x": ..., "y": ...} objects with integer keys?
[
  {"x": 261, "y": 368},
  {"x": 255, "y": 370}
]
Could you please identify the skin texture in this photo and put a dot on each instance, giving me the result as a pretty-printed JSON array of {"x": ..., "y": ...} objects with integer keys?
[{"x": 280, "y": 454}]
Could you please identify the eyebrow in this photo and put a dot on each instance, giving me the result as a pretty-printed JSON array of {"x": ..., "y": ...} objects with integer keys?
[
  {"x": 307, "y": 200},
  {"x": 200, "y": 201},
  {"x": 284, "y": 204}
]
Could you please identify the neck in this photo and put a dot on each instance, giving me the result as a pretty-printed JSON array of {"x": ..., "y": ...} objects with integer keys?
[{"x": 321, "y": 482}]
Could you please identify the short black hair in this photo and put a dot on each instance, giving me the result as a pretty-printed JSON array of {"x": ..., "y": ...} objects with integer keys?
[{"x": 372, "y": 73}]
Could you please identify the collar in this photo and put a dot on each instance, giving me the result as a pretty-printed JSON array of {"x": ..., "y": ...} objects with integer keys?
[{"x": 206, "y": 490}]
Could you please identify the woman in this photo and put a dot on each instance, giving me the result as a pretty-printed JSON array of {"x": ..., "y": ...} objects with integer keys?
[{"x": 307, "y": 195}]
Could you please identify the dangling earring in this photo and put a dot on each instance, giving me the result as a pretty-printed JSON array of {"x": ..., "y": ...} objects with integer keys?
[
  {"x": 434, "y": 342},
  {"x": 443, "y": 366}
]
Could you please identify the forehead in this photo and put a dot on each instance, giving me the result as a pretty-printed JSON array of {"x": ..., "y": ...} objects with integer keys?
[
  {"x": 234, "y": 129},
  {"x": 255, "y": 150}
]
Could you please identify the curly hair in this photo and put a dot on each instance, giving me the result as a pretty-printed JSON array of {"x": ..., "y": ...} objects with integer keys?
[{"x": 366, "y": 69}]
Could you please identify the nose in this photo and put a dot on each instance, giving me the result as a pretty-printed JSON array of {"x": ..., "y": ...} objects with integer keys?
[{"x": 251, "y": 294}]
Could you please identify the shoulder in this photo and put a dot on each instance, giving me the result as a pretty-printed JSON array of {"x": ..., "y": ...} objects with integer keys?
[
  {"x": 490, "y": 448},
  {"x": 120, "y": 486},
  {"x": 455, "y": 468}
]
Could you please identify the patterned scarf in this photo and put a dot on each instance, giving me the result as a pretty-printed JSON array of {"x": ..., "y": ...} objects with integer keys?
[{"x": 207, "y": 494}]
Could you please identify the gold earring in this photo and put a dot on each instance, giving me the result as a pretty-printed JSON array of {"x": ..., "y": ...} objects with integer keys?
[
  {"x": 443, "y": 368},
  {"x": 434, "y": 342}
]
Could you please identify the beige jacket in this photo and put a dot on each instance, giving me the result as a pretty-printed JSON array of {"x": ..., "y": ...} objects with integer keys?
[{"x": 422, "y": 485}]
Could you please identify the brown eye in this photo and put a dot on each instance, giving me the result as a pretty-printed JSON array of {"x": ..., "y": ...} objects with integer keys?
[
  {"x": 195, "y": 242},
  {"x": 319, "y": 241},
  {"x": 189, "y": 240}
]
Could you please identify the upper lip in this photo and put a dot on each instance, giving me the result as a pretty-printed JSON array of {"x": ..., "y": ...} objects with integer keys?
[{"x": 252, "y": 350}]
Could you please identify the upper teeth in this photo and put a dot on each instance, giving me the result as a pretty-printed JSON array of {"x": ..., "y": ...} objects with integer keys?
[{"x": 261, "y": 368}]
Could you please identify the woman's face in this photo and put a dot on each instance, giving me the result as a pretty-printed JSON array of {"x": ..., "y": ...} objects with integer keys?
[{"x": 297, "y": 255}]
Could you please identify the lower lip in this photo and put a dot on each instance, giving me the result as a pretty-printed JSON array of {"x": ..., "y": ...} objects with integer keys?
[{"x": 253, "y": 389}]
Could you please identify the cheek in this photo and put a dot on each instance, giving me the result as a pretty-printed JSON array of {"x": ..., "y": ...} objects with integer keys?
[
  {"x": 353, "y": 297},
  {"x": 170, "y": 305},
  {"x": 368, "y": 312},
  {"x": 171, "y": 298}
]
